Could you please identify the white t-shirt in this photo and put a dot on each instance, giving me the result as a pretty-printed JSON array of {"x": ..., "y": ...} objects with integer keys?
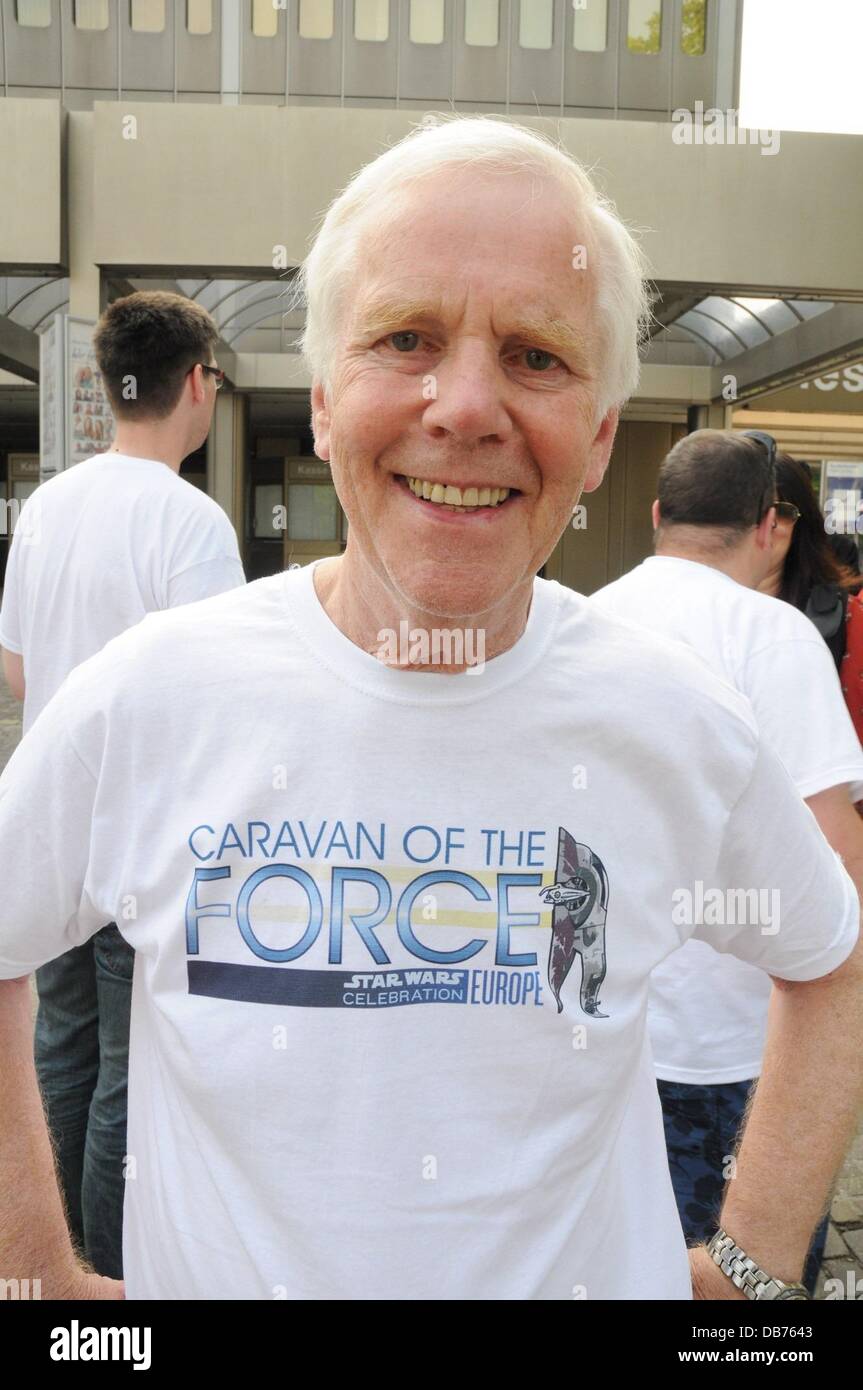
[
  {"x": 708, "y": 1013},
  {"x": 354, "y": 893},
  {"x": 94, "y": 550}
]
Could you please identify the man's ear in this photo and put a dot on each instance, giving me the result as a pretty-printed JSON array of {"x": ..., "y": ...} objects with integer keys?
[
  {"x": 320, "y": 421},
  {"x": 197, "y": 384},
  {"x": 600, "y": 450},
  {"x": 655, "y": 515},
  {"x": 765, "y": 529}
]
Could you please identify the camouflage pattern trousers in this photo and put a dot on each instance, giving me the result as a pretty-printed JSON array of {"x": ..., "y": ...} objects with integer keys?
[{"x": 702, "y": 1125}]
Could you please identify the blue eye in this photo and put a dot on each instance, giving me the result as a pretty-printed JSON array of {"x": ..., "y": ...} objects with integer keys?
[
  {"x": 539, "y": 353},
  {"x": 405, "y": 333}
]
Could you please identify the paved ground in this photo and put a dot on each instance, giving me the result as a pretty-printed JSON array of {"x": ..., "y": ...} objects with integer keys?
[{"x": 844, "y": 1254}]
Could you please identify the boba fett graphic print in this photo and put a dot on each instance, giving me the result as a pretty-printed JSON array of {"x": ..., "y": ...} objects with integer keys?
[{"x": 580, "y": 898}]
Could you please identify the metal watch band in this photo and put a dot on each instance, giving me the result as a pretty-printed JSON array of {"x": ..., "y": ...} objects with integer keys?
[{"x": 745, "y": 1274}]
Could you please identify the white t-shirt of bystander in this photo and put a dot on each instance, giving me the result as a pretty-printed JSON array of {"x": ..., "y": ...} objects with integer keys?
[
  {"x": 98, "y": 547},
  {"x": 708, "y": 1012}
]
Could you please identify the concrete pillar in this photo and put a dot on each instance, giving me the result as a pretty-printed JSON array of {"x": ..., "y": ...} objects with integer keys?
[
  {"x": 84, "y": 276},
  {"x": 716, "y": 416},
  {"x": 226, "y": 456}
]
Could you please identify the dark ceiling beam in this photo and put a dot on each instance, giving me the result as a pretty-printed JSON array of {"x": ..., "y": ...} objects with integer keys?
[{"x": 19, "y": 349}]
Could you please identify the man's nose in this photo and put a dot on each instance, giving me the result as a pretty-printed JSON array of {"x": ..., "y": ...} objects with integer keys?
[{"x": 466, "y": 395}]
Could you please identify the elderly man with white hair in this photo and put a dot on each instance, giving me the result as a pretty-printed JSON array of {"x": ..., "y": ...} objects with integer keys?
[{"x": 395, "y": 912}]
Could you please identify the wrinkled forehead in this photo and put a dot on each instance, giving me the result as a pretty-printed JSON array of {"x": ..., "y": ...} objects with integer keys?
[{"x": 508, "y": 242}]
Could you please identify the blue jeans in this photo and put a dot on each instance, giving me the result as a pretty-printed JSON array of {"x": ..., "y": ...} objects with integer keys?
[
  {"x": 702, "y": 1124},
  {"x": 82, "y": 1061}
]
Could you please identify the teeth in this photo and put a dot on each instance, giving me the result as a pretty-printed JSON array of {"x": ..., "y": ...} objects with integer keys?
[{"x": 451, "y": 496}]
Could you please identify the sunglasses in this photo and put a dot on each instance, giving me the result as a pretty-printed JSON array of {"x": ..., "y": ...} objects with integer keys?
[
  {"x": 783, "y": 509},
  {"x": 768, "y": 443},
  {"x": 788, "y": 510},
  {"x": 210, "y": 371}
]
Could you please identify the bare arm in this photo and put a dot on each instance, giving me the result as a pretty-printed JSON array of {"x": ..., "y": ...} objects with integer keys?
[
  {"x": 842, "y": 827},
  {"x": 13, "y": 670},
  {"x": 807, "y": 1103},
  {"x": 35, "y": 1237},
  {"x": 801, "y": 1124}
]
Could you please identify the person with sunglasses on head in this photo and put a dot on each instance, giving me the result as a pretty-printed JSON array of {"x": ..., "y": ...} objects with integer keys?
[
  {"x": 819, "y": 573},
  {"x": 96, "y": 548},
  {"x": 724, "y": 528}
]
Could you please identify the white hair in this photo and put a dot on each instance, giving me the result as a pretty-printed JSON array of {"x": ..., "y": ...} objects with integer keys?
[{"x": 621, "y": 296}]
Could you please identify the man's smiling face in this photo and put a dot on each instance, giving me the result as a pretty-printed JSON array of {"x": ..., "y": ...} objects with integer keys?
[{"x": 461, "y": 427}]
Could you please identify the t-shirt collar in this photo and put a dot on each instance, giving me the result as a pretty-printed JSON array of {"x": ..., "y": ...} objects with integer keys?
[
  {"x": 669, "y": 561},
  {"x": 361, "y": 669}
]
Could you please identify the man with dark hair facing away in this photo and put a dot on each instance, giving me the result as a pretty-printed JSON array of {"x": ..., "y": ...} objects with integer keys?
[
  {"x": 721, "y": 526},
  {"x": 97, "y": 547}
]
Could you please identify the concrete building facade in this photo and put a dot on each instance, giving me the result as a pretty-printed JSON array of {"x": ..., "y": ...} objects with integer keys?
[{"x": 194, "y": 146}]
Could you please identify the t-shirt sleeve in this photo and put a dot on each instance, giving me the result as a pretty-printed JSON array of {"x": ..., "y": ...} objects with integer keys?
[
  {"x": 205, "y": 560},
  {"x": 10, "y": 615},
  {"x": 798, "y": 702},
  {"x": 47, "y": 801},
  {"x": 783, "y": 900},
  {"x": 205, "y": 579}
]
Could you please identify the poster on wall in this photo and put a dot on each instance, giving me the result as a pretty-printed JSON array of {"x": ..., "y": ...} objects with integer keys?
[
  {"x": 75, "y": 419},
  {"x": 51, "y": 431},
  {"x": 89, "y": 422}
]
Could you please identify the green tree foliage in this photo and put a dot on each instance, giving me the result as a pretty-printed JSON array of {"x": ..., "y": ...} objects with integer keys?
[
  {"x": 694, "y": 22},
  {"x": 649, "y": 41}
]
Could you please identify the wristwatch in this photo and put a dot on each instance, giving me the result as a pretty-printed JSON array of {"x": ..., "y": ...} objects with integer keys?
[{"x": 745, "y": 1273}]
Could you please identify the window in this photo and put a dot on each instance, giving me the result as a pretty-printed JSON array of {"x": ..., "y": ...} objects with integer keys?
[
  {"x": 590, "y": 26},
  {"x": 645, "y": 26},
  {"x": 265, "y": 19},
  {"x": 481, "y": 23},
  {"x": 694, "y": 24},
  {"x": 91, "y": 14},
  {"x": 268, "y": 496},
  {"x": 316, "y": 19},
  {"x": 148, "y": 16},
  {"x": 426, "y": 21},
  {"x": 535, "y": 23},
  {"x": 33, "y": 14},
  {"x": 199, "y": 16},
  {"x": 372, "y": 20},
  {"x": 313, "y": 513}
]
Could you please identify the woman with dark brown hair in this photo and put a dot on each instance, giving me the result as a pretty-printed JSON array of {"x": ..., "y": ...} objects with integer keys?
[
  {"x": 808, "y": 572},
  {"x": 819, "y": 574}
]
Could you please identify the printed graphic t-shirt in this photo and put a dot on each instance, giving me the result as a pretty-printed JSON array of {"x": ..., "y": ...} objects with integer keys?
[
  {"x": 394, "y": 932},
  {"x": 98, "y": 547},
  {"x": 708, "y": 1012}
]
